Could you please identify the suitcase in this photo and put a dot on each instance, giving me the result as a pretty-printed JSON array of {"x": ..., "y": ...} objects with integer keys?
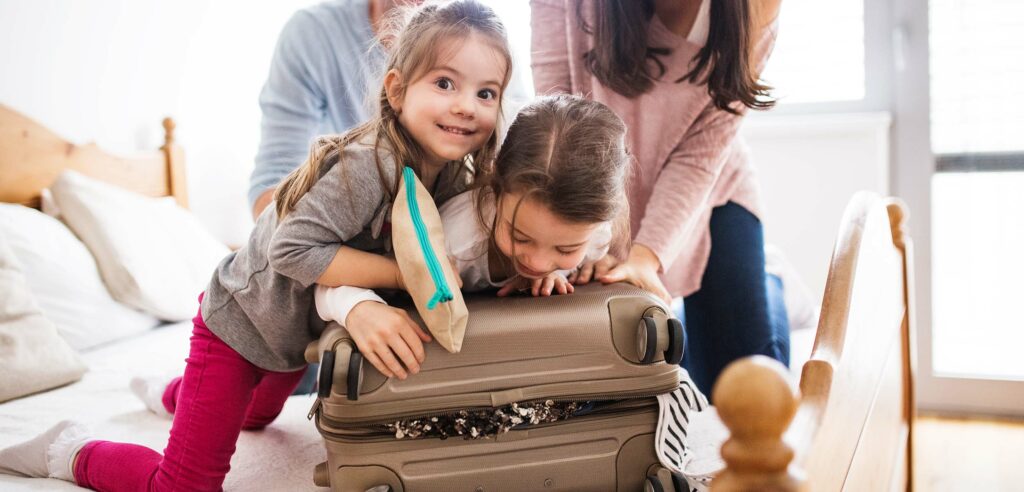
[{"x": 615, "y": 346}]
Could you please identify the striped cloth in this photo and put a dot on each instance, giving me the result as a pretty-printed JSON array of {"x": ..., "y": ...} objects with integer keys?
[{"x": 689, "y": 435}]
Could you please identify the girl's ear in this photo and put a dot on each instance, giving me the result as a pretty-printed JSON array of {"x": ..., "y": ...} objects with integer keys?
[{"x": 393, "y": 88}]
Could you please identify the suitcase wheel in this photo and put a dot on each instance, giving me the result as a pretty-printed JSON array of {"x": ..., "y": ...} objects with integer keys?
[
  {"x": 353, "y": 374},
  {"x": 647, "y": 340},
  {"x": 653, "y": 484},
  {"x": 659, "y": 479},
  {"x": 326, "y": 379},
  {"x": 676, "y": 342}
]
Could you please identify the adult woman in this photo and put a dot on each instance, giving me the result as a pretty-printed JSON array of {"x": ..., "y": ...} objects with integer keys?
[{"x": 680, "y": 73}]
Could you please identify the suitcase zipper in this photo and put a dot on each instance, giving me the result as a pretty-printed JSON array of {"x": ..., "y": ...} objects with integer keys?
[
  {"x": 379, "y": 431},
  {"x": 665, "y": 383}
]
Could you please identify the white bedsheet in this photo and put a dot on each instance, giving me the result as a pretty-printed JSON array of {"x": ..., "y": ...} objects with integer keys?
[{"x": 280, "y": 457}]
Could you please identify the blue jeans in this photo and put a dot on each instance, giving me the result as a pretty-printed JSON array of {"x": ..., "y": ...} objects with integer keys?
[
  {"x": 308, "y": 382},
  {"x": 738, "y": 310}
]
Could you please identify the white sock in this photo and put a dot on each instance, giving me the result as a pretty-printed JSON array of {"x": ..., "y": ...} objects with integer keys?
[
  {"x": 48, "y": 454},
  {"x": 151, "y": 391}
]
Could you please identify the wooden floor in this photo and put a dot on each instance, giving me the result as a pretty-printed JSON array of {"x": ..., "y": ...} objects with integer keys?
[{"x": 954, "y": 454}]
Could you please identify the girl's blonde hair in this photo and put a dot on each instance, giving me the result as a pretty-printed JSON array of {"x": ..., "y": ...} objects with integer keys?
[
  {"x": 415, "y": 38},
  {"x": 569, "y": 154}
]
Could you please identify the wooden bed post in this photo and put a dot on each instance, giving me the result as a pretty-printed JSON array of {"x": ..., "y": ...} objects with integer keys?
[
  {"x": 756, "y": 400},
  {"x": 175, "y": 156},
  {"x": 898, "y": 217}
]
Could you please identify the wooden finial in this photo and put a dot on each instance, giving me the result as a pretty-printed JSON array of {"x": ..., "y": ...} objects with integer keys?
[
  {"x": 168, "y": 132},
  {"x": 756, "y": 400},
  {"x": 898, "y": 216}
]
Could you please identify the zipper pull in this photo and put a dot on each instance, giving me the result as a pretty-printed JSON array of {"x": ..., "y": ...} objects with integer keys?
[{"x": 313, "y": 411}]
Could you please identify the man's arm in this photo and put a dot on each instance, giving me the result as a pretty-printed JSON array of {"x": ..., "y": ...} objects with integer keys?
[
  {"x": 262, "y": 201},
  {"x": 292, "y": 103}
]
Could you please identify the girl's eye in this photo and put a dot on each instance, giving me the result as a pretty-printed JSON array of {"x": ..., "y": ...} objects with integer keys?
[
  {"x": 520, "y": 241},
  {"x": 444, "y": 83},
  {"x": 567, "y": 253},
  {"x": 487, "y": 94}
]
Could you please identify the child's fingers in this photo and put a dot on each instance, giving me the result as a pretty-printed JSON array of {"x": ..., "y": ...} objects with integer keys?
[
  {"x": 535, "y": 286},
  {"x": 377, "y": 363},
  {"x": 549, "y": 285},
  {"x": 400, "y": 348},
  {"x": 391, "y": 362},
  {"x": 586, "y": 273},
  {"x": 506, "y": 289},
  {"x": 411, "y": 338},
  {"x": 416, "y": 327}
]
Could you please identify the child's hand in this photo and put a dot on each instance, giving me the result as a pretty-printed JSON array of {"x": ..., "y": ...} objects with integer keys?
[
  {"x": 386, "y": 335},
  {"x": 552, "y": 283},
  {"x": 592, "y": 270}
]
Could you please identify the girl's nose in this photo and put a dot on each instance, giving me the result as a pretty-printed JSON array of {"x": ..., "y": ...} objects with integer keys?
[
  {"x": 464, "y": 106},
  {"x": 537, "y": 264}
]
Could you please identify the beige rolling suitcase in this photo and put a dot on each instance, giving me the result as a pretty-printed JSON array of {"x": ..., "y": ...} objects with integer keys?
[{"x": 610, "y": 349}]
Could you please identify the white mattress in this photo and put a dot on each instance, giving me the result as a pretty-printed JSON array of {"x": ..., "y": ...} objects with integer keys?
[{"x": 280, "y": 457}]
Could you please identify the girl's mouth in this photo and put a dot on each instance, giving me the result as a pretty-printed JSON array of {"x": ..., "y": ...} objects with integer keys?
[{"x": 456, "y": 130}]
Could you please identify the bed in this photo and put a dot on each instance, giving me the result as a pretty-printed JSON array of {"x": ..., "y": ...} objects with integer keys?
[
  {"x": 845, "y": 426},
  {"x": 277, "y": 458}
]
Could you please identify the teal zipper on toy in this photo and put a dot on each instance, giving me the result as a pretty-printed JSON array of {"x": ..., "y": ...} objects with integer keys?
[{"x": 443, "y": 293}]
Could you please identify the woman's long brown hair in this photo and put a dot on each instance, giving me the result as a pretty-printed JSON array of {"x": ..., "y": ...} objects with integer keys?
[{"x": 622, "y": 58}]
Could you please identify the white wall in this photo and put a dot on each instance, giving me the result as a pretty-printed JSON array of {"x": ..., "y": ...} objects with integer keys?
[
  {"x": 809, "y": 166},
  {"x": 109, "y": 70}
]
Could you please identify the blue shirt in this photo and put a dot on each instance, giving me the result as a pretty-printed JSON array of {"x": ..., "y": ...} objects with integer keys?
[{"x": 323, "y": 65}]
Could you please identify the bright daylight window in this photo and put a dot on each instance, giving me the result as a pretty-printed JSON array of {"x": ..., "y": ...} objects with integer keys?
[
  {"x": 977, "y": 133},
  {"x": 819, "y": 54}
]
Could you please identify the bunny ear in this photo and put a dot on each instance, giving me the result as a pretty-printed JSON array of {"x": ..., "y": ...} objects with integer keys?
[{"x": 418, "y": 239}]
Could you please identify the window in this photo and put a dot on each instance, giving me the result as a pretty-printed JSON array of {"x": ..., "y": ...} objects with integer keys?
[{"x": 819, "y": 54}]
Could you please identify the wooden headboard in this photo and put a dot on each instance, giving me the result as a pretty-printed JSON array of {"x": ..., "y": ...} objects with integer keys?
[{"x": 31, "y": 157}]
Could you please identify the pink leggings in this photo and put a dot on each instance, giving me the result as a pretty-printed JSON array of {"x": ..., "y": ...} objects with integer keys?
[{"x": 220, "y": 394}]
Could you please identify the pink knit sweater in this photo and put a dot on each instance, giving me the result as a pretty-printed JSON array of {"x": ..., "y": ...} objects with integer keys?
[{"x": 688, "y": 156}]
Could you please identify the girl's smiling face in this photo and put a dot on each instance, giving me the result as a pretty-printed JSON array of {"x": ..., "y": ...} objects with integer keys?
[
  {"x": 539, "y": 242},
  {"x": 452, "y": 109}
]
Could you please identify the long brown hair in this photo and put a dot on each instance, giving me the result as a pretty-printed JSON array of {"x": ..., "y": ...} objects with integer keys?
[
  {"x": 569, "y": 154},
  {"x": 414, "y": 38},
  {"x": 622, "y": 59}
]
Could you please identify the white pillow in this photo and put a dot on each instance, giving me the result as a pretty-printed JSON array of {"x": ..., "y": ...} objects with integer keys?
[
  {"x": 32, "y": 356},
  {"x": 64, "y": 280},
  {"x": 153, "y": 254}
]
